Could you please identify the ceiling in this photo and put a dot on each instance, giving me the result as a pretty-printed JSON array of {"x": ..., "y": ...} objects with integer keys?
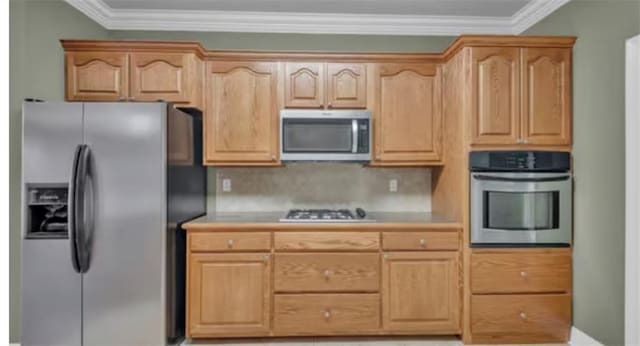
[{"x": 380, "y": 17}]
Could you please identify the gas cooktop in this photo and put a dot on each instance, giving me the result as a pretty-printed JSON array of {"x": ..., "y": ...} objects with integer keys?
[{"x": 325, "y": 215}]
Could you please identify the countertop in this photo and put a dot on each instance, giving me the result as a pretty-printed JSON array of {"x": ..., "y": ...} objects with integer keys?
[{"x": 271, "y": 220}]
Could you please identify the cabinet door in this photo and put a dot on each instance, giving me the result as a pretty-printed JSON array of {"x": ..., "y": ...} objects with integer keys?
[
  {"x": 420, "y": 292},
  {"x": 408, "y": 120},
  {"x": 304, "y": 85},
  {"x": 241, "y": 113},
  {"x": 495, "y": 73},
  {"x": 547, "y": 96},
  {"x": 229, "y": 295},
  {"x": 163, "y": 76},
  {"x": 346, "y": 85},
  {"x": 96, "y": 76}
]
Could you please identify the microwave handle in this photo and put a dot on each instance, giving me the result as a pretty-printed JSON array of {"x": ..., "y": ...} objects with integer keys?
[
  {"x": 533, "y": 180},
  {"x": 354, "y": 135}
]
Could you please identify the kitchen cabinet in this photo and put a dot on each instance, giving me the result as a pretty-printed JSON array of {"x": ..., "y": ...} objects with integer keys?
[
  {"x": 96, "y": 76},
  {"x": 229, "y": 294},
  {"x": 408, "y": 117},
  {"x": 325, "y": 85},
  {"x": 241, "y": 113},
  {"x": 137, "y": 76},
  {"x": 546, "y": 90},
  {"x": 420, "y": 292},
  {"x": 521, "y": 96}
]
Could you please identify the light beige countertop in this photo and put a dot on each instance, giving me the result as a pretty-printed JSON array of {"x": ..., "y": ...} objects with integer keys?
[{"x": 271, "y": 220}]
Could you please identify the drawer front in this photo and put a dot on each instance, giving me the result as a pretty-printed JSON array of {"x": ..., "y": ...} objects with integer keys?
[
  {"x": 443, "y": 240},
  {"x": 327, "y": 272},
  {"x": 543, "y": 317},
  {"x": 326, "y": 314},
  {"x": 327, "y": 241},
  {"x": 521, "y": 272},
  {"x": 230, "y": 241}
]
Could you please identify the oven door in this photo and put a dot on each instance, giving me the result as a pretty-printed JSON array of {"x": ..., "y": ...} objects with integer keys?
[
  {"x": 325, "y": 136},
  {"x": 521, "y": 209}
]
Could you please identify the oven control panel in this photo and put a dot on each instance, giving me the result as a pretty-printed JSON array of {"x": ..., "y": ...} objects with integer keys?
[{"x": 520, "y": 161}]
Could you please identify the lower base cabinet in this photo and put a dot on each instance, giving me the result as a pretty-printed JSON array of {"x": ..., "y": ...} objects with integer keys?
[
  {"x": 228, "y": 294},
  {"x": 420, "y": 292}
]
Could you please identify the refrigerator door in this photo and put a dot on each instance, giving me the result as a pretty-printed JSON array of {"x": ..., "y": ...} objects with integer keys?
[
  {"x": 51, "y": 289},
  {"x": 123, "y": 286}
]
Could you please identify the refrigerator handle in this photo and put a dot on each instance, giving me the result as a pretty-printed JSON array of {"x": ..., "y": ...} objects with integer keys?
[
  {"x": 72, "y": 205},
  {"x": 83, "y": 225}
]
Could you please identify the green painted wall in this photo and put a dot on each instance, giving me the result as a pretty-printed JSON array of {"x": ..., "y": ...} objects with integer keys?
[
  {"x": 598, "y": 133},
  {"x": 36, "y": 70}
]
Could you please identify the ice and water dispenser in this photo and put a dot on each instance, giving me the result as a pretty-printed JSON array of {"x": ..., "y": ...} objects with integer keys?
[{"x": 47, "y": 213}]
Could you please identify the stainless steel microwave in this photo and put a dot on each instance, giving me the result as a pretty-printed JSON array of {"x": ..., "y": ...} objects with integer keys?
[{"x": 320, "y": 135}]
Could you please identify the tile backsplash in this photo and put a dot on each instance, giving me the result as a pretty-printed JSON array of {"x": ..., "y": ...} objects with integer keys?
[{"x": 319, "y": 185}]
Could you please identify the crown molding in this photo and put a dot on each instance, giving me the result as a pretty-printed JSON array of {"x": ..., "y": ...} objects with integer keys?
[{"x": 313, "y": 23}]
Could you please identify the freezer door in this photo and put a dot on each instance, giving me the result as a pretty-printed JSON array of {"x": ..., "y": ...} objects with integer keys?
[
  {"x": 51, "y": 289},
  {"x": 123, "y": 287}
]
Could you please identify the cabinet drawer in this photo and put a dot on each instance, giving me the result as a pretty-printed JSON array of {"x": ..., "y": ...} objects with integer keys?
[
  {"x": 420, "y": 240},
  {"x": 230, "y": 241},
  {"x": 326, "y": 314},
  {"x": 327, "y": 272},
  {"x": 521, "y": 272},
  {"x": 534, "y": 317},
  {"x": 327, "y": 241}
]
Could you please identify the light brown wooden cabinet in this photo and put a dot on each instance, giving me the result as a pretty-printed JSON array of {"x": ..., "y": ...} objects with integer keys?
[
  {"x": 136, "y": 76},
  {"x": 241, "y": 113},
  {"x": 229, "y": 294},
  {"x": 325, "y": 85},
  {"x": 408, "y": 117},
  {"x": 421, "y": 292},
  {"x": 96, "y": 76},
  {"x": 521, "y": 96}
]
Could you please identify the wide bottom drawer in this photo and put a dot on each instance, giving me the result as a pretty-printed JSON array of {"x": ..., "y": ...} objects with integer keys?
[
  {"x": 326, "y": 314},
  {"x": 521, "y": 318}
]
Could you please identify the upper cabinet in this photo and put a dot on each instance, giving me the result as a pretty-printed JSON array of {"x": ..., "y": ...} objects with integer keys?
[
  {"x": 137, "y": 76},
  {"x": 408, "y": 117},
  {"x": 325, "y": 85},
  {"x": 521, "y": 96},
  {"x": 546, "y": 96},
  {"x": 496, "y": 95},
  {"x": 241, "y": 113},
  {"x": 96, "y": 76}
]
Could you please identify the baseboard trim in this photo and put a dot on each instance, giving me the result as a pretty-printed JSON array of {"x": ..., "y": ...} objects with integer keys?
[{"x": 581, "y": 338}]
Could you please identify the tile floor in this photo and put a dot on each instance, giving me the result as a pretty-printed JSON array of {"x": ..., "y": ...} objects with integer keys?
[{"x": 378, "y": 341}]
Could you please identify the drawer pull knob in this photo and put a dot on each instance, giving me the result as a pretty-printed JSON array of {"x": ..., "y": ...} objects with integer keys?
[
  {"x": 230, "y": 243},
  {"x": 327, "y": 314},
  {"x": 523, "y": 316},
  {"x": 327, "y": 273},
  {"x": 523, "y": 274},
  {"x": 266, "y": 258},
  {"x": 423, "y": 242}
]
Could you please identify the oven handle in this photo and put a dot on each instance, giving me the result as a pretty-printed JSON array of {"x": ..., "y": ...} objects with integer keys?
[
  {"x": 354, "y": 135},
  {"x": 532, "y": 180}
]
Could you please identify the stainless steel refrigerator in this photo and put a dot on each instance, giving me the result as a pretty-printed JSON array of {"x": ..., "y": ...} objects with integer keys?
[{"x": 105, "y": 187}]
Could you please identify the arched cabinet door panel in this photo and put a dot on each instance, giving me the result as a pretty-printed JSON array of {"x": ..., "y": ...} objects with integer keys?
[
  {"x": 546, "y": 96},
  {"x": 346, "y": 85},
  {"x": 241, "y": 113},
  {"x": 408, "y": 119},
  {"x": 304, "y": 85},
  {"x": 495, "y": 74},
  {"x": 173, "y": 77},
  {"x": 96, "y": 76}
]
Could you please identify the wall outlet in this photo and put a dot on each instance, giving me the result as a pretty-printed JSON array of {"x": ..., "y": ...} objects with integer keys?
[
  {"x": 226, "y": 185},
  {"x": 393, "y": 185}
]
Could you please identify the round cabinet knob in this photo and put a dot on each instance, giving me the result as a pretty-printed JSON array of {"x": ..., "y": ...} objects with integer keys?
[
  {"x": 230, "y": 243},
  {"x": 523, "y": 316},
  {"x": 273, "y": 157},
  {"x": 266, "y": 258},
  {"x": 132, "y": 98},
  {"x": 523, "y": 274},
  {"x": 327, "y": 273},
  {"x": 327, "y": 314},
  {"x": 121, "y": 98},
  {"x": 423, "y": 243}
]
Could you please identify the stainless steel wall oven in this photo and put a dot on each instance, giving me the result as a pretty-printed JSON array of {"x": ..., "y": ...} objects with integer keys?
[{"x": 520, "y": 198}]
